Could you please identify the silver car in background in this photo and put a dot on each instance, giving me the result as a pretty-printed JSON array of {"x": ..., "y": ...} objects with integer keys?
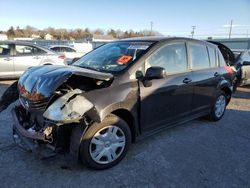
[
  {"x": 17, "y": 56},
  {"x": 70, "y": 53},
  {"x": 67, "y": 51}
]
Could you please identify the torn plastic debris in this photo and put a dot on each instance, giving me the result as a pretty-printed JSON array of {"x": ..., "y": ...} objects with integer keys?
[{"x": 68, "y": 108}]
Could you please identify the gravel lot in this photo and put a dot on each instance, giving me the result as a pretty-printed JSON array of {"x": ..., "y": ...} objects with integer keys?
[{"x": 196, "y": 154}]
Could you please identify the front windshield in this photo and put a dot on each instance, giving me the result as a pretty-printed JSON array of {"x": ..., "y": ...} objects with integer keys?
[{"x": 113, "y": 57}]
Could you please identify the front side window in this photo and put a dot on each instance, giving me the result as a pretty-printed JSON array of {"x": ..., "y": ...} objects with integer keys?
[
  {"x": 199, "y": 56},
  {"x": 113, "y": 57},
  {"x": 172, "y": 57},
  {"x": 4, "y": 49},
  {"x": 28, "y": 50}
]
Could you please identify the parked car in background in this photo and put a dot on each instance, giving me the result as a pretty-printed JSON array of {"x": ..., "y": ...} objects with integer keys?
[
  {"x": 242, "y": 65},
  {"x": 16, "y": 57},
  {"x": 117, "y": 93},
  {"x": 69, "y": 52}
]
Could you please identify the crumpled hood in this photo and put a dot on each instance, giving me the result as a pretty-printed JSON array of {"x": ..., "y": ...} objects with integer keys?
[{"x": 44, "y": 80}]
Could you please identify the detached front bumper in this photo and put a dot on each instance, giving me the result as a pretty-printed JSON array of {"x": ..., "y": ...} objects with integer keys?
[{"x": 27, "y": 140}]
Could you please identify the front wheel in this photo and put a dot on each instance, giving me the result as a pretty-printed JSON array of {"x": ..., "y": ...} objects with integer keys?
[
  {"x": 219, "y": 107},
  {"x": 105, "y": 144}
]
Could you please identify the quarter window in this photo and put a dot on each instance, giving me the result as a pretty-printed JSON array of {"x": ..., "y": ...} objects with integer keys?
[
  {"x": 172, "y": 57},
  {"x": 199, "y": 56},
  {"x": 212, "y": 57},
  {"x": 222, "y": 60}
]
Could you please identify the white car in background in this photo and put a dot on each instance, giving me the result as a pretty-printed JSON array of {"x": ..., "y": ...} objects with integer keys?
[
  {"x": 17, "y": 56},
  {"x": 67, "y": 51}
]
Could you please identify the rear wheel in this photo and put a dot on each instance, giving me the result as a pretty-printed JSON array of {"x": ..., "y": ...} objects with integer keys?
[
  {"x": 105, "y": 144},
  {"x": 219, "y": 107}
]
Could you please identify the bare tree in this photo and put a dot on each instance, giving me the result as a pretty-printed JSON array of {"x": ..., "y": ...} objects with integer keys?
[{"x": 75, "y": 34}]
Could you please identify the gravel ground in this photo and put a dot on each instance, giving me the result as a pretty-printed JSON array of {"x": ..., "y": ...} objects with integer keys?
[{"x": 196, "y": 154}]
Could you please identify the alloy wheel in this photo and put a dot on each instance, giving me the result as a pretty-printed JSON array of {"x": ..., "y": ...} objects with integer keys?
[{"x": 220, "y": 106}]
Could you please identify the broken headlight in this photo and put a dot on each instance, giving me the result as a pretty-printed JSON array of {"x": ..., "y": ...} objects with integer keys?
[{"x": 70, "y": 107}]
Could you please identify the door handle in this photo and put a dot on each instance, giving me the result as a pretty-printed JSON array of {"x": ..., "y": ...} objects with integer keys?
[
  {"x": 216, "y": 74},
  {"x": 36, "y": 57},
  {"x": 187, "y": 80}
]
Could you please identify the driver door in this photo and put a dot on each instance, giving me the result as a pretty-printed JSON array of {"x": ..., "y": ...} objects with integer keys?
[{"x": 168, "y": 99}]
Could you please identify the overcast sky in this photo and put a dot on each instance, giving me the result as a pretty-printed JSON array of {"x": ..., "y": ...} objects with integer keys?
[{"x": 169, "y": 17}]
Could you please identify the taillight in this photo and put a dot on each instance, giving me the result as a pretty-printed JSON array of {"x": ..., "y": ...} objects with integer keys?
[
  {"x": 61, "y": 57},
  {"x": 229, "y": 69}
]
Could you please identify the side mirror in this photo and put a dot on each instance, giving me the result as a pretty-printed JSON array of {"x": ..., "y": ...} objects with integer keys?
[
  {"x": 246, "y": 63},
  {"x": 155, "y": 73}
]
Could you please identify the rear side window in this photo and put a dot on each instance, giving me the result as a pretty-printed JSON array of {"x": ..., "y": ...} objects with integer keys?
[
  {"x": 56, "y": 49},
  {"x": 172, "y": 57},
  {"x": 199, "y": 56},
  {"x": 4, "y": 49},
  {"x": 28, "y": 50},
  {"x": 212, "y": 56},
  {"x": 65, "y": 49}
]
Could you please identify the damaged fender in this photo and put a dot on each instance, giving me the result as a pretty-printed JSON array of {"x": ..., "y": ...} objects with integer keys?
[
  {"x": 9, "y": 96},
  {"x": 69, "y": 108}
]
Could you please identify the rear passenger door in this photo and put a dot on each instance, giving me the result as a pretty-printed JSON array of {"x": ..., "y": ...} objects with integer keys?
[
  {"x": 204, "y": 65},
  {"x": 168, "y": 99},
  {"x": 6, "y": 61}
]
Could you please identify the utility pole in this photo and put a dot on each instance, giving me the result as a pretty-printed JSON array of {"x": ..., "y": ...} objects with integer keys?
[
  {"x": 230, "y": 31},
  {"x": 151, "y": 27},
  {"x": 192, "y": 32}
]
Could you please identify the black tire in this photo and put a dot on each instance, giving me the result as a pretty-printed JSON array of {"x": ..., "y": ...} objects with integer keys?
[
  {"x": 213, "y": 116},
  {"x": 86, "y": 142}
]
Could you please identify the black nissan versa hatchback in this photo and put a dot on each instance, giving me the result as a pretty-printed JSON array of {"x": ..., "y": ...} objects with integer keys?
[{"x": 121, "y": 91}]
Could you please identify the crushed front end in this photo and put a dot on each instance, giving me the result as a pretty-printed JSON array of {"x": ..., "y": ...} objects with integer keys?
[
  {"x": 49, "y": 107},
  {"x": 47, "y": 123}
]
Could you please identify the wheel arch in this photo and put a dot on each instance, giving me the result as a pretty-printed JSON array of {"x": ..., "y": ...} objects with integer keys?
[
  {"x": 127, "y": 116},
  {"x": 225, "y": 86},
  {"x": 228, "y": 92}
]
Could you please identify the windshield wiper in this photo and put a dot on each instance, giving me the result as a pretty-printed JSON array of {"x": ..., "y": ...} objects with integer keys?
[{"x": 86, "y": 67}]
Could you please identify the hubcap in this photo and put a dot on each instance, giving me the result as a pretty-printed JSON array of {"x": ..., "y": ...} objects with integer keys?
[
  {"x": 220, "y": 106},
  {"x": 107, "y": 144}
]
